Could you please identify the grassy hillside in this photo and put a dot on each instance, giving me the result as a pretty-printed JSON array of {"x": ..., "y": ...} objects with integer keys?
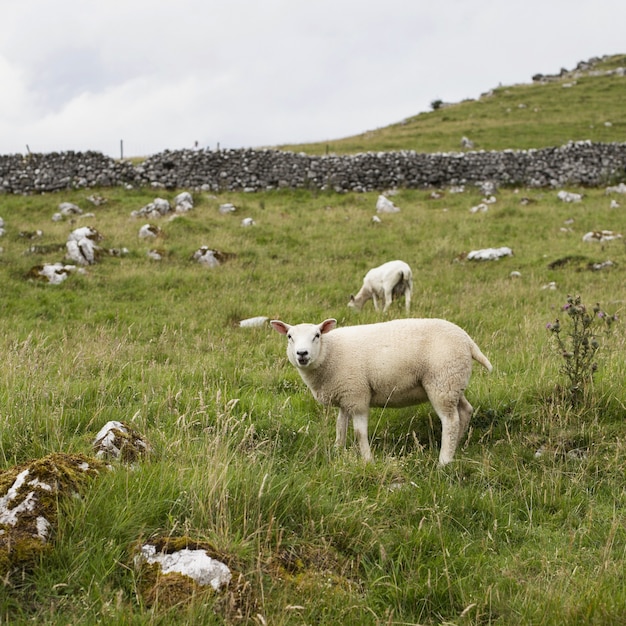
[
  {"x": 526, "y": 526},
  {"x": 576, "y": 106}
]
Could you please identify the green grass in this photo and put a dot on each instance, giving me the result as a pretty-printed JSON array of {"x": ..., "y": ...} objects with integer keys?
[
  {"x": 524, "y": 116},
  {"x": 243, "y": 455}
]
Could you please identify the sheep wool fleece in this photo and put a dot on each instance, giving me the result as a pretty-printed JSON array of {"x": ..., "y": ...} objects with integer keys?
[{"x": 390, "y": 364}]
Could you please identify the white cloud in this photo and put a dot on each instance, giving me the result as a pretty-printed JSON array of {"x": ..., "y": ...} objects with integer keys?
[{"x": 81, "y": 75}]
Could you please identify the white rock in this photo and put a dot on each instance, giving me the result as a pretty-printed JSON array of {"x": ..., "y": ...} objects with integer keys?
[
  {"x": 551, "y": 286},
  {"x": 196, "y": 564},
  {"x": 183, "y": 202},
  {"x": 252, "y": 322},
  {"x": 489, "y": 254},
  {"x": 568, "y": 196},
  {"x": 149, "y": 231},
  {"x": 206, "y": 256},
  {"x": 479, "y": 208},
  {"x": 106, "y": 437},
  {"x": 601, "y": 236},
  {"x": 56, "y": 273},
  {"x": 10, "y": 512},
  {"x": 384, "y": 205},
  {"x": 621, "y": 188},
  {"x": 67, "y": 209},
  {"x": 81, "y": 249},
  {"x": 162, "y": 205}
]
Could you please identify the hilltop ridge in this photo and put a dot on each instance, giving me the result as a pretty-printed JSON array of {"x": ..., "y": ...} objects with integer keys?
[{"x": 585, "y": 103}]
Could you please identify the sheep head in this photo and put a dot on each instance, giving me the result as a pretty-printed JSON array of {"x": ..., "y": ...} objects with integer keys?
[{"x": 303, "y": 341}]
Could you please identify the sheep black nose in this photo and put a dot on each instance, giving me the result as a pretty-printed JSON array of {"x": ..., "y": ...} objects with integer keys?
[{"x": 302, "y": 353}]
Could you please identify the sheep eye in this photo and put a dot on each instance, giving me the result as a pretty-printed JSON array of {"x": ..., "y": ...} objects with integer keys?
[
  {"x": 289, "y": 337},
  {"x": 317, "y": 336}
]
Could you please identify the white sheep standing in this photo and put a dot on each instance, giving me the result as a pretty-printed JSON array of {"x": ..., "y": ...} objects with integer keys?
[
  {"x": 389, "y": 364},
  {"x": 390, "y": 279}
]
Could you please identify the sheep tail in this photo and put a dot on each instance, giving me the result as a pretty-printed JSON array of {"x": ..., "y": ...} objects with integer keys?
[{"x": 478, "y": 356}]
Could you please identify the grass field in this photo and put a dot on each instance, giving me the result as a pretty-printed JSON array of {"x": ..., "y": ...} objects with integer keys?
[{"x": 243, "y": 456}]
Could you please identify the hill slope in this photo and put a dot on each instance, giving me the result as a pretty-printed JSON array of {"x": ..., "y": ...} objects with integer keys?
[{"x": 585, "y": 103}]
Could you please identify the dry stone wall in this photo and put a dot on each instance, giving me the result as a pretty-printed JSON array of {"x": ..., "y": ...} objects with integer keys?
[{"x": 576, "y": 163}]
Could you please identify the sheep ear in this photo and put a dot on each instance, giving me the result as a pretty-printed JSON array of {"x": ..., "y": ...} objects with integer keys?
[
  {"x": 327, "y": 325},
  {"x": 280, "y": 327}
]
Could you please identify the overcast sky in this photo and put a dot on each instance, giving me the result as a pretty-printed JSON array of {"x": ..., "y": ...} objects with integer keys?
[{"x": 86, "y": 75}]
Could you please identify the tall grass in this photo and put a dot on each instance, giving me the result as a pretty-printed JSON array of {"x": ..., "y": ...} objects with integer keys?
[{"x": 526, "y": 526}]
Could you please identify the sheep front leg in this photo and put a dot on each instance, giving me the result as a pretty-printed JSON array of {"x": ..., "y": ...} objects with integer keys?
[
  {"x": 341, "y": 429},
  {"x": 359, "y": 423},
  {"x": 388, "y": 299}
]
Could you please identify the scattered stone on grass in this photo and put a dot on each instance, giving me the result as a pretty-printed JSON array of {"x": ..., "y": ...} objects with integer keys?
[
  {"x": 211, "y": 258},
  {"x": 569, "y": 196},
  {"x": 253, "y": 322},
  {"x": 54, "y": 273},
  {"x": 149, "y": 231},
  {"x": 384, "y": 205},
  {"x": 227, "y": 208},
  {"x": 155, "y": 209},
  {"x": 175, "y": 570},
  {"x": 601, "y": 236},
  {"x": 117, "y": 440},
  {"x": 29, "y": 498},
  {"x": 489, "y": 254},
  {"x": 183, "y": 202},
  {"x": 82, "y": 245}
]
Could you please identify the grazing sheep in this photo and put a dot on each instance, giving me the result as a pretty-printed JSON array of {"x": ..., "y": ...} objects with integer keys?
[
  {"x": 385, "y": 281},
  {"x": 389, "y": 364}
]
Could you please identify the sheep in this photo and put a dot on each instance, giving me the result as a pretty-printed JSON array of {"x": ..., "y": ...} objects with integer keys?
[
  {"x": 385, "y": 281},
  {"x": 392, "y": 364}
]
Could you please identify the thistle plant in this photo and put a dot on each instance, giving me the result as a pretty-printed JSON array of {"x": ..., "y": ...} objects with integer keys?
[{"x": 577, "y": 343}]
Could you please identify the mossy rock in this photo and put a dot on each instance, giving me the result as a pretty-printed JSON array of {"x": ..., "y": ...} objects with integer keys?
[
  {"x": 161, "y": 591},
  {"x": 29, "y": 498},
  {"x": 120, "y": 441}
]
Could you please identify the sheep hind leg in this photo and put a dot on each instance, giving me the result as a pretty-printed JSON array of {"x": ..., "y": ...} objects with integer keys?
[
  {"x": 359, "y": 423},
  {"x": 465, "y": 413},
  {"x": 450, "y": 429}
]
